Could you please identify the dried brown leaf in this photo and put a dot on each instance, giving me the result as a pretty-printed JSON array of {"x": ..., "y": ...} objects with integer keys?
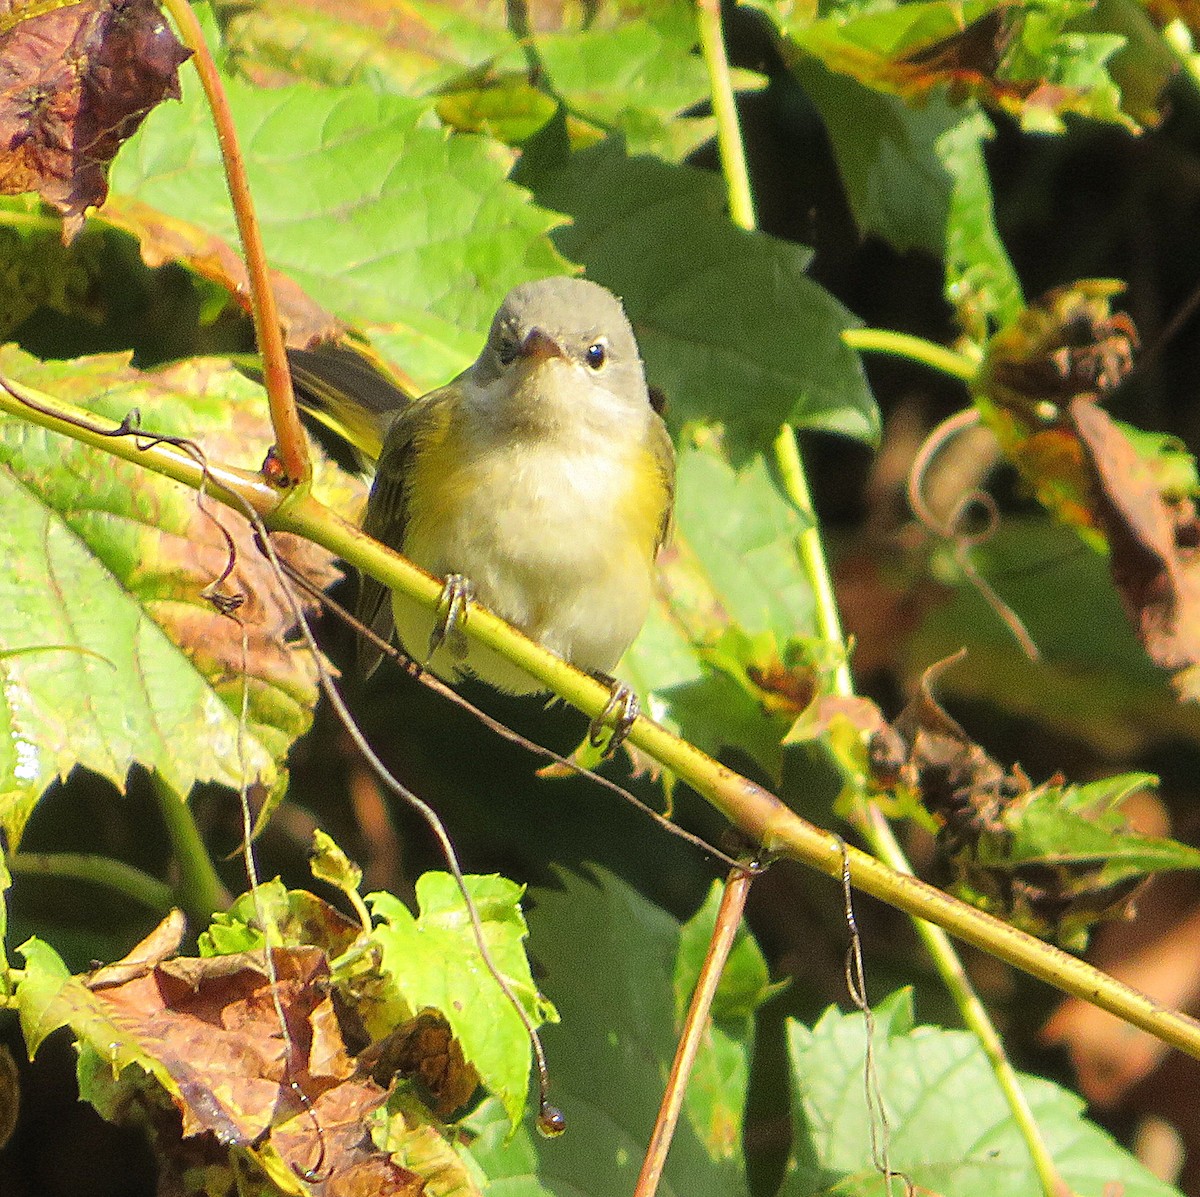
[
  {"x": 162, "y": 942},
  {"x": 75, "y": 82},
  {"x": 213, "y": 1024},
  {"x": 424, "y": 1049},
  {"x": 1152, "y": 542}
]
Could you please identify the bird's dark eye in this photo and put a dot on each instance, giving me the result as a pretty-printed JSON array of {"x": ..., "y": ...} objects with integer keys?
[
  {"x": 507, "y": 350},
  {"x": 596, "y": 355}
]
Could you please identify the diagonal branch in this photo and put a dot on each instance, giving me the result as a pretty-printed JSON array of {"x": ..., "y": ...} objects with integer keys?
[{"x": 762, "y": 817}]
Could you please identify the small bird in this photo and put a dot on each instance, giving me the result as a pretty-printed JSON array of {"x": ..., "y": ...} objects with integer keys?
[{"x": 541, "y": 478}]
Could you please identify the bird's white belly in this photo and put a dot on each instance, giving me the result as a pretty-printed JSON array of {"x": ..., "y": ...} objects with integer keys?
[{"x": 543, "y": 539}]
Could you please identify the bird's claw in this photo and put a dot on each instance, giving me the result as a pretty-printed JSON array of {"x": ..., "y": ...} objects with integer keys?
[
  {"x": 613, "y": 723},
  {"x": 456, "y": 594}
]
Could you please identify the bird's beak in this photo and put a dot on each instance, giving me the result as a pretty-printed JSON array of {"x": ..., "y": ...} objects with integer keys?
[{"x": 539, "y": 347}]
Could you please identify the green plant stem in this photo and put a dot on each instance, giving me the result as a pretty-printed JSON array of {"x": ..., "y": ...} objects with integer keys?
[
  {"x": 874, "y": 828},
  {"x": 96, "y": 870},
  {"x": 812, "y": 555},
  {"x": 200, "y": 891},
  {"x": 916, "y": 349},
  {"x": 729, "y": 135},
  {"x": 756, "y": 812}
]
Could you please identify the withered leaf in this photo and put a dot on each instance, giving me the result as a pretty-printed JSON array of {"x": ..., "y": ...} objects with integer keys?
[
  {"x": 958, "y": 782},
  {"x": 967, "y": 61},
  {"x": 1152, "y": 543},
  {"x": 213, "y": 1025},
  {"x": 333, "y": 1141},
  {"x": 1070, "y": 341},
  {"x": 424, "y": 1049},
  {"x": 76, "y": 81},
  {"x": 298, "y": 1105},
  {"x": 162, "y": 942}
]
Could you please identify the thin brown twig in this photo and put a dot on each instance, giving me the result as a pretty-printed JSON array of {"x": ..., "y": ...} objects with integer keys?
[
  {"x": 729, "y": 918},
  {"x": 291, "y": 445}
]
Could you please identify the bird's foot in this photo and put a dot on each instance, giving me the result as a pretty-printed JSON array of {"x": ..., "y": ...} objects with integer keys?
[
  {"x": 613, "y": 723},
  {"x": 451, "y": 616}
]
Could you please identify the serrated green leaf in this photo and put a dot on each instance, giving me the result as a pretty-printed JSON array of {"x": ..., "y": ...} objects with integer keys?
[
  {"x": 730, "y": 326},
  {"x": 1093, "y": 681},
  {"x": 635, "y": 76},
  {"x": 1080, "y": 823},
  {"x": 608, "y": 957},
  {"x": 628, "y": 68},
  {"x": 289, "y": 918},
  {"x": 110, "y": 653},
  {"x": 1055, "y": 50},
  {"x": 433, "y": 960},
  {"x": 509, "y": 1159},
  {"x": 379, "y": 214},
  {"x": 1032, "y": 61},
  {"x": 950, "y": 1128},
  {"x": 430, "y": 46}
]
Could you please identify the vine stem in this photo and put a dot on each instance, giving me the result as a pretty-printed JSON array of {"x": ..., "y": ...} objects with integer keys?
[
  {"x": 762, "y": 817},
  {"x": 291, "y": 445},
  {"x": 729, "y": 136},
  {"x": 871, "y": 823},
  {"x": 916, "y": 349},
  {"x": 874, "y": 827},
  {"x": 115, "y": 875},
  {"x": 200, "y": 891}
]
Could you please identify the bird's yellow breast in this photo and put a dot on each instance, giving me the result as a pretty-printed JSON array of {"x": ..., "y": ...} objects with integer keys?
[{"x": 557, "y": 538}]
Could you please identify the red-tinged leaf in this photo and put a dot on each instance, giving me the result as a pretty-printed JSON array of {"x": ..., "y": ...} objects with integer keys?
[
  {"x": 1152, "y": 544},
  {"x": 331, "y": 1140},
  {"x": 76, "y": 81},
  {"x": 210, "y": 1030},
  {"x": 112, "y": 562},
  {"x": 1028, "y": 61}
]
